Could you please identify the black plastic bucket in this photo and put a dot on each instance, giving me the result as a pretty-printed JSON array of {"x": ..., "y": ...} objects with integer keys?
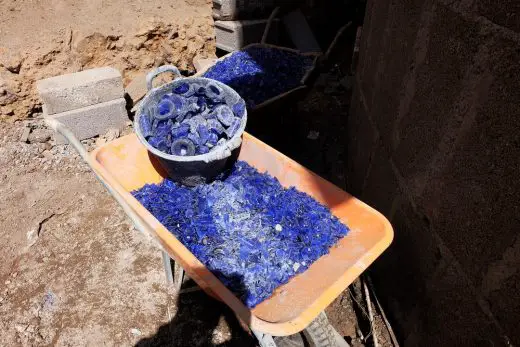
[{"x": 197, "y": 169}]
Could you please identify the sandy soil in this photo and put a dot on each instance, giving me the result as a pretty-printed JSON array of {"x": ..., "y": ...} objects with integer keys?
[{"x": 40, "y": 39}]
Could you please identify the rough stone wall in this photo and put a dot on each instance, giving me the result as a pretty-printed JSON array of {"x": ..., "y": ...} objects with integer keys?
[{"x": 434, "y": 144}]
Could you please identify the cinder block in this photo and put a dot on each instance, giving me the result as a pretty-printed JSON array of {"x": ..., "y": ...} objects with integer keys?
[
  {"x": 233, "y": 35},
  {"x": 93, "y": 120},
  {"x": 250, "y": 9},
  {"x": 68, "y": 92},
  {"x": 233, "y": 9}
]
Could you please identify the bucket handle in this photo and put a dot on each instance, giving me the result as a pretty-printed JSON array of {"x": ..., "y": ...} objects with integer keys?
[{"x": 155, "y": 72}]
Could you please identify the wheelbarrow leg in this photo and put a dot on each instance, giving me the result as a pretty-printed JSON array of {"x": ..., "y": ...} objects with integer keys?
[
  {"x": 178, "y": 277},
  {"x": 167, "y": 268},
  {"x": 264, "y": 340},
  {"x": 174, "y": 277}
]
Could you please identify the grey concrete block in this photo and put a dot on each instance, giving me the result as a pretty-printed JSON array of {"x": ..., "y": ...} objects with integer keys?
[
  {"x": 233, "y": 35},
  {"x": 93, "y": 120},
  {"x": 80, "y": 89}
]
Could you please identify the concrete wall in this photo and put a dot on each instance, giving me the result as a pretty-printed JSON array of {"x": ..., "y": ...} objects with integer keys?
[{"x": 434, "y": 144}]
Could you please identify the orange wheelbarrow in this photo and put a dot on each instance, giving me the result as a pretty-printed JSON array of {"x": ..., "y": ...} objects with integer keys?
[{"x": 124, "y": 165}]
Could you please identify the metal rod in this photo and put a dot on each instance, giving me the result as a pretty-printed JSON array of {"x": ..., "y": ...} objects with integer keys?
[
  {"x": 265, "y": 340},
  {"x": 370, "y": 314},
  {"x": 380, "y": 308},
  {"x": 167, "y": 267},
  {"x": 268, "y": 24}
]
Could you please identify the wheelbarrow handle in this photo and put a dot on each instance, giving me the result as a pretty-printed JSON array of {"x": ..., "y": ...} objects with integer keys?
[{"x": 161, "y": 69}]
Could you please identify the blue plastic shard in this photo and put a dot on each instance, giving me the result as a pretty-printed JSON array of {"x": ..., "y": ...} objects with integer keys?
[
  {"x": 146, "y": 125},
  {"x": 239, "y": 109},
  {"x": 212, "y": 139},
  {"x": 215, "y": 126},
  {"x": 233, "y": 128},
  {"x": 203, "y": 132},
  {"x": 224, "y": 115},
  {"x": 250, "y": 231},
  {"x": 181, "y": 88},
  {"x": 165, "y": 110},
  {"x": 183, "y": 147},
  {"x": 182, "y": 131},
  {"x": 203, "y": 149}
]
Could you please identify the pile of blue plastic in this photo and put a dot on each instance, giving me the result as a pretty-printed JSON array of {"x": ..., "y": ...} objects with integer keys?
[
  {"x": 193, "y": 119},
  {"x": 261, "y": 73},
  {"x": 252, "y": 233}
]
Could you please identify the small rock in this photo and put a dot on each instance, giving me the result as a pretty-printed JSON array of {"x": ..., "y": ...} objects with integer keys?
[
  {"x": 40, "y": 135},
  {"x": 136, "y": 332},
  {"x": 25, "y": 134},
  {"x": 201, "y": 63},
  {"x": 12, "y": 62},
  {"x": 278, "y": 227},
  {"x": 136, "y": 89},
  {"x": 49, "y": 299},
  {"x": 7, "y": 282},
  {"x": 296, "y": 266},
  {"x": 47, "y": 154},
  {"x": 100, "y": 141},
  {"x": 313, "y": 135},
  {"x": 19, "y": 327},
  {"x": 112, "y": 134}
]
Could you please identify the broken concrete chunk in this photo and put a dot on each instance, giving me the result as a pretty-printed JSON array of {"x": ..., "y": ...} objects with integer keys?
[
  {"x": 202, "y": 64},
  {"x": 40, "y": 135},
  {"x": 25, "y": 134}
]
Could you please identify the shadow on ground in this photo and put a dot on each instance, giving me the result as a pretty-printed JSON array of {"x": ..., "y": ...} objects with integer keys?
[{"x": 200, "y": 321}]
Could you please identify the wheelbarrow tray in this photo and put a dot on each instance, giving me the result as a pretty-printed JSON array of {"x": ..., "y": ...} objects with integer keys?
[{"x": 126, "y": 165}]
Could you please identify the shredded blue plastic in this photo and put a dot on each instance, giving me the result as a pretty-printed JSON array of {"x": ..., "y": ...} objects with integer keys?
[
  {"x": 252, "y": 233},
  {"x": 261, "y": 73},
  {"x": 191, "y": 120}
]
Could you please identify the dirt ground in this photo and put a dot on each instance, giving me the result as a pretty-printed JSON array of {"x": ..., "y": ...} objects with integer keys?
[{"x": 40, "y": 39}]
